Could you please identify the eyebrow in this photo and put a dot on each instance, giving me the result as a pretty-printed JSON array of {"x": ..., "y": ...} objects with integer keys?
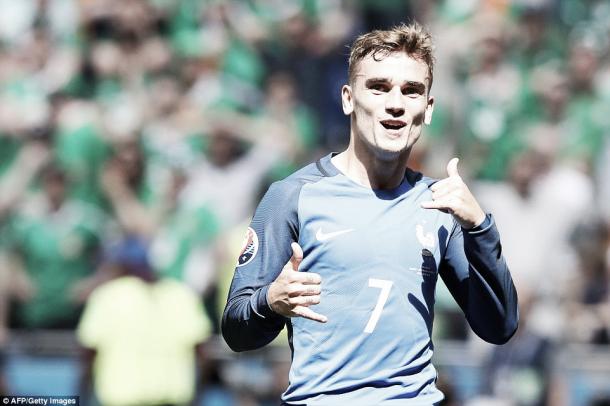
[{"x": 409, "y": 83}]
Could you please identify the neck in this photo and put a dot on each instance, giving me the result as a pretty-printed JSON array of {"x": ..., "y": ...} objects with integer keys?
[
  {"x": 55, "y": 205},
  {"x": 362, "y": 167}
]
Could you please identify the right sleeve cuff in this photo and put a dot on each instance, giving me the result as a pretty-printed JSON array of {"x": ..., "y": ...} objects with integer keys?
[{"x": 260, "y": 305}]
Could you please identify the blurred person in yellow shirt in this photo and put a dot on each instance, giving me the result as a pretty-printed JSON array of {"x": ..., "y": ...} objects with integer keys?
[{"x": 141, "y": 334}]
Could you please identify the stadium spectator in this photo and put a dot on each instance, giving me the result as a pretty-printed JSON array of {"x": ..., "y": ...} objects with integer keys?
[
  {"x": 131, "y": 198},
  {"x": 587, "y": 122},
  {"x": 241, "y": 151},
  {"x": 141, "y": 334},
  {"x": 519, "y": 372},
  {"x": 183, "y": 248},
  {"x": 18, "y": 169},
  {"x": 587, "y": 296},
  {"x": 56, "y": 240},
  {"x": 492, "y": 87}
]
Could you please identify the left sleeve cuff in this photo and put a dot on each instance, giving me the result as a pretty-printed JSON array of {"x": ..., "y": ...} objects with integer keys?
[{"x": 484, "y": 226}]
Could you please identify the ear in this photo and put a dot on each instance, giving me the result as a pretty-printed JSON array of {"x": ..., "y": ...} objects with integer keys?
[
  {"x": 429, "y": 110},
  {"x": 346, "y": 100}
]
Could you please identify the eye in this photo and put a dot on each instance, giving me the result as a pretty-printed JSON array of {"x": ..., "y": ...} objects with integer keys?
[
  {"x": 412, "y": 91},
  {"x": 378, "y": 87}
]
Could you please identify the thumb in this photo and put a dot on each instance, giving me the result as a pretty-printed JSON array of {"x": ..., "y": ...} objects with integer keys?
[
  {"x": 452, "y": 167},
  {"x": 297, "y": 255}
]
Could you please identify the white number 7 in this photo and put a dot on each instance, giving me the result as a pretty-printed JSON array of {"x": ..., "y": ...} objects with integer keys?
[{"x": 385, "y": 287}]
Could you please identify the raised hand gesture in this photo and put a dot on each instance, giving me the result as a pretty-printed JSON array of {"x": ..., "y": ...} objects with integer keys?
[
  {"x": 451, "y": 195},
  {"x": 293, "y": 292}
]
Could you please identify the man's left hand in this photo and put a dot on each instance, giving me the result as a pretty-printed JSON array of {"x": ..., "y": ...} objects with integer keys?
[{"x": 451, "y": 195}]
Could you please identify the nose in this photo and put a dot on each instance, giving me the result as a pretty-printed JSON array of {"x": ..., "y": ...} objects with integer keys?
[{"x": 394, "y": 103}]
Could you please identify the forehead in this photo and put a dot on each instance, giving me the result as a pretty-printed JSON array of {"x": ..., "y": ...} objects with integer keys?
[{"x": 397, "y": 67}]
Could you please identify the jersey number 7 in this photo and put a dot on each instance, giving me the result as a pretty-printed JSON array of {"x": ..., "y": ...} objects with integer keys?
[{"x": 385, "y": 287}]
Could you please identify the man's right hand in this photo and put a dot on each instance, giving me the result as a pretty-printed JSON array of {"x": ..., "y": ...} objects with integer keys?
[{"x": 293, "y": 292}]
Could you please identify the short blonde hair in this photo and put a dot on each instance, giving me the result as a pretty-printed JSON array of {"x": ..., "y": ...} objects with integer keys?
[{"x": 412, "y": 39}]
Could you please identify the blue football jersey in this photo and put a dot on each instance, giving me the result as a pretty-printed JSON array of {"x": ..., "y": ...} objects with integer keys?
[{"x": 379, "y": 255}]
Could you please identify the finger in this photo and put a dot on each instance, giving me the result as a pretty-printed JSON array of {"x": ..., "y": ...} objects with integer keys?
[
  {"x": 305, "y": 278},
  {"x": 441, "y": 184},
  {"x": 307, "y": 290},
  {"x": 310, "y": 278},
  {"x": 304, "y": 300},
  {"x": 297, "y": 256},
  {"x": 452, "y": 167},
  {"x": 443, "y": 205},
  {"x": 446, "y": 191},
  {"x": 454, "y": 181},
  {"x": 298, "y": 289},
  {"x": 430, "y": 204},
  {"x": 307, "y": 313}
]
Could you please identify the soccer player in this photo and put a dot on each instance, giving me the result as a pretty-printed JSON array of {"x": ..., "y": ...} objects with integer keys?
[{"x": 346, "y": 252}]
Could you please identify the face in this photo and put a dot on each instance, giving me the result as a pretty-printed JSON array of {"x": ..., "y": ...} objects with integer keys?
[
  {"x": 55, "y": 188},
  {"x": 388, "y": 102}
]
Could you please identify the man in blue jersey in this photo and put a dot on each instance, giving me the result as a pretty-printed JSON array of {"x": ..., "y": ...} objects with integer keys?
[{"x": 346, "y": 252}]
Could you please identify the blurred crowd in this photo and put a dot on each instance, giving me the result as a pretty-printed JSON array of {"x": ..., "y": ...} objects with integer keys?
[{"x": 136, "y": 137}]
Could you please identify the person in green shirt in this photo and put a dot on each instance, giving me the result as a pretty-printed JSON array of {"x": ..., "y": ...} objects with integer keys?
[
  {"x": 19, "y": 164},
  {"x": 55, "y": 239},
  {"x": 182, "y": 247}
]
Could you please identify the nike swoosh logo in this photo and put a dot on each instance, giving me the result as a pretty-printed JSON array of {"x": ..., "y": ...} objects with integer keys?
[{"x": 321, "y": 236}]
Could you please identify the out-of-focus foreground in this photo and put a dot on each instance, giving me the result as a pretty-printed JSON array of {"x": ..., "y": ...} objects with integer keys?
[{"x": 136, "y": 137}]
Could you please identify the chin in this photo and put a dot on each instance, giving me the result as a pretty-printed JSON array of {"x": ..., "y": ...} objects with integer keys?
[
  {"x": 388, "y": 154},
  {"x": 384, "y": 148}
]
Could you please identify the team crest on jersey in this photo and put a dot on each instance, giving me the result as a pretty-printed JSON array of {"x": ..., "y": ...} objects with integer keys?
[
  {"x": 426, "y": 239},
  {"x": 249, "y": 248}
]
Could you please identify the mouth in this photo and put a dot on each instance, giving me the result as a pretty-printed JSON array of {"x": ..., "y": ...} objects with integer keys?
[{"x": 394, "y": 125}]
